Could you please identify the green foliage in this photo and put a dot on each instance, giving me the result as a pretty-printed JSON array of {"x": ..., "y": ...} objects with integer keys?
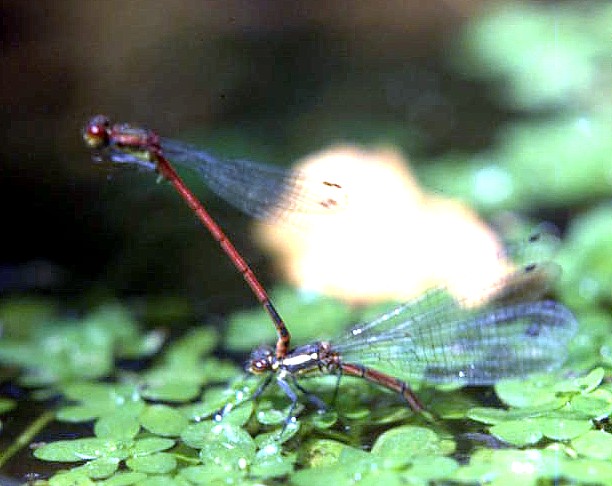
[
  {"x": 190, "y": 418},
  {"x": 550, "y": 62},
  {"x": 189, "y": 441}
]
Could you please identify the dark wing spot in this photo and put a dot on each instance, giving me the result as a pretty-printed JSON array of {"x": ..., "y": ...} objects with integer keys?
[
  {"x": 332, "y": 184},
  {"x": 328, "y": 203}
]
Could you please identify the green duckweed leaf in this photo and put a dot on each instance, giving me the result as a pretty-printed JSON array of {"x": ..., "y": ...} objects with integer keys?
[
  {"x": 120, "y": 425},
  {"x": 191, "y": 347},
  {"x": 518, "y": 432},
  {"x": 163, "y": 420},
  {"x": 321, "y": 452},
  {"x": 226, "y": 444},
  {"x": 124, "y": 479},
  {"x": 271, "y": 416},
  {"x": 167, "y": 387},
  {"x": 595, "y": 444},
  {"x": 270, "y": 463},
  {"x": 588, "y": 471},
  {"x": 324, "y": 420},
  {"x": 535, "y": 391},
  {"x": 563, "y": 429},
  {"x": 239, "y": 415},
  {"x": 277, "y": 436},
  {"x": 83, "y": 449},
  {"x": 220, "y": 443},
  {"x": 71, "y": 478},
  {"x": 157, "y": 463},
  {"x": 596, "y": 405},
  {"x": 354, "y": 466},
  {"x": 583, "y": 384},
  {"x": 489, "y": 415},
  {"x": 99, "y": 399},
  {"x": 430, "y": 468},
  {"x": 150, "y": 445},
  {"x": 213, "y": 474},
  {"x": 98, "y": 468},
  {"x": 500, "y": 466},
  {"x": 409, "y": 441}
]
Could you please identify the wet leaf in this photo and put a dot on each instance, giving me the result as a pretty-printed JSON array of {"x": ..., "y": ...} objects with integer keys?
[
  {"x": 124, "y": 479},
  {"x": 157, "y": 463},
  {"x": 163, "y": 420},
  {"x": 518, "y": 432},
  {"x": 83, "y": 449},
  {"x": 149, "y": 445},
  {"x": 409, "y": 441},
  {"x": 595, "y": 444},
  {"x": 120, "y": 425}
]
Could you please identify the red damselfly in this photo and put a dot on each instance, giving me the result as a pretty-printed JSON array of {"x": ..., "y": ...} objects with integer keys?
[{"x": 256, "y": 189}]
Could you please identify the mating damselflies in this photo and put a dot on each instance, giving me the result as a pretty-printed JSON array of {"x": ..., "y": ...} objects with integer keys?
[
  {"x": 256, "y": 189},
  {"x": 434, "y": 339}
]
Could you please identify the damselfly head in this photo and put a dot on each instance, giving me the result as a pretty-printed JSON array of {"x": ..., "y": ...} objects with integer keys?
[
  {"x": 261, "y": 360},
  {"x": 96, "y": 134}
]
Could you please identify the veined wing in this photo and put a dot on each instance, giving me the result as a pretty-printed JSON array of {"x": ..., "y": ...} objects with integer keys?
[
  {"x": 436, "y": 339},
  {"x": 262, "y": 191}
]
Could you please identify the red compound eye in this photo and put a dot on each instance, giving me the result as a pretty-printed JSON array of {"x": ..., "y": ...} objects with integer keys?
[{"x": 96, "y": 132}]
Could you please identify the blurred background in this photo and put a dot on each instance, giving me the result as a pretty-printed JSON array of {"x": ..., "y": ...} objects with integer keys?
[{"x": 505, "y": 105}]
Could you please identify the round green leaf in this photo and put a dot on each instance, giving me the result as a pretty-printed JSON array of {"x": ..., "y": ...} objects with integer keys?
[
  {"x": 595, "y": 444},
  {"x": 158, "y": 463},
  {"x": 588, "y": 471},
  {"x": 488, "y": 415},
  {"x": 277, "y": 436},
  {"x": 271, "y": 465},
  {"x": 563, "y": 429},
  {"x": 431, "y": 468},
  {"x": 71, "y": 478},
  {"x": 597, "y": 404},
  {"x": 83, "y": 449},
  {"x": 163, "y": 420},
  {"x": 324, "y": 420},
  {"x": 149, "y": 445},
  {"x": 500, "y": 466},
  {"x": 533, "y": 392},
  {"x": 239, "y": 415},
  {"x": 78, "y": 413},
  {"x": 321, "y": 452},
  {"x": 172, "y": 390},
  {"x": 518, "y": 432},
  {"x": 583, "y": 384},
  {"x": 118, "y": 425},
  {"x": 194, "y": 435},
  {"x": 227, "y": 444},
  {"x": 192, "y": 346},
  {"x": 411, "y": 441},
  {"x": 271, "y": 416},
  {"x": 124, "y": 479},
  {"x": 212, "y": 474},
  {"x": 99, "y": 468}
]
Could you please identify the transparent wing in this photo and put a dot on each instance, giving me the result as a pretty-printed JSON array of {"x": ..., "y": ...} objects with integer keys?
[
  {"x": 261, "y": 191},
  {"x": 436, "y": 339}
]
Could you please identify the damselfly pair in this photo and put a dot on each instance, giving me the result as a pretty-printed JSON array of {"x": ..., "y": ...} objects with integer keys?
[{"x": 434, "y": 339}]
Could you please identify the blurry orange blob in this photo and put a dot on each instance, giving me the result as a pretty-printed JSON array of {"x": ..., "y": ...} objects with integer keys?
[{"x": 381, "y": 237}]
